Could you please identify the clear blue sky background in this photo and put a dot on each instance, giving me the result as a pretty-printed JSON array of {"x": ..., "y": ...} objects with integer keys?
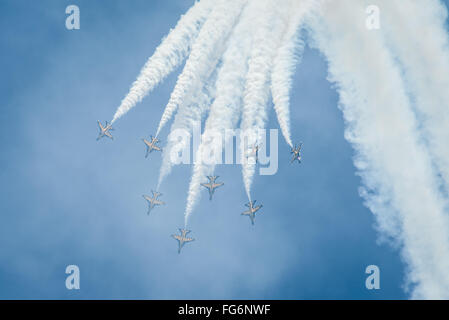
[{"x": 68, "y": 199}]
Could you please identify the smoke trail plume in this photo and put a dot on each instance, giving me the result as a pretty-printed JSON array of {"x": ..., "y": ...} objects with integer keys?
[
  {"x": 225, "y": 110},
  {"x": 169, "y": 55},
  {"x": 204, "y": 58},
  {"x": 188, "y": 116},
  {"x": 288, "y": 56},
  {"x": 393, "y": 94},
  {"x": 204, "y": 54},
  {"x": 425, "y": 61},
  {"x": 271, "y": 22},
  {"x": 383, "y": 130}
]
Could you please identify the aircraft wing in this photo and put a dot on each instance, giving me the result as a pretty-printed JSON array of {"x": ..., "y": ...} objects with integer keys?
[
  {"x": 188, "y": 239},
  {"x": 179, "y": 238},
  {"x": 206, "y": 185},
  {"x": 158, "y": 202},
  {"x": 216, "y": 185},
  {"x": 293, "y": 159},
  {"x": 106, "y": 133},
  {"x": 156, "y": 148}
]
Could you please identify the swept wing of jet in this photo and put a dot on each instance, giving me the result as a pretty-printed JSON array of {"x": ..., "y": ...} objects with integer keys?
[
  {"x": 252, "y": 209},
  {"x": 212, "y": 185},
  {"x": 151, "y": 145},
  {"x": 153, "y": 201},
  {"x": 104, "y": 130},
  {"x": 182, "y": 238}
]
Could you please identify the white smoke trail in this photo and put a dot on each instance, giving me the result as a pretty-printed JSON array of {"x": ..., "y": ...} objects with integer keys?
[
  {"x": 422, "y": 48},
  {"x": 225, "y": 110},
  {"x": 288, "y": 56},
  {"x": 402, "y": 190},
  {"x": 271, "y": 21},
  {"x": 203, "y": 54},
  {"x": 189, "y": 115},
  {"x": 169, "y": 55},
  {"x": 400, "y": 184}
]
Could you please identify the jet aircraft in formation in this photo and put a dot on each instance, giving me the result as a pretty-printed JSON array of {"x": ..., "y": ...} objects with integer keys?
[
  {"x": 153, "y": 201},
  {"x": 104, "y": 130},
  {"x": 252, "y": 209},
  {"x": 212, "y": 185},
  {"x": 182, "y": 238},
  {"x": 296, "y": 151},
  {"x": 253, "y": 152},
  {"x": 151, "y": 145}
]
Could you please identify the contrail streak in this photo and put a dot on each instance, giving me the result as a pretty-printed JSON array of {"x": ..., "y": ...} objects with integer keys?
[
  {"x": 188, "y": 116},
  {"x": 383, "y": 130},
  {"x": 271, "y": 23},
  {"x": 425, "y": 60},
  {"x": 169, "y": 55},
  {"x": 288, "y": 56},
  {"x": 393, "y": 87},
  {"x": 225, "y": 110},
  {"x": 203, "y": 56}
]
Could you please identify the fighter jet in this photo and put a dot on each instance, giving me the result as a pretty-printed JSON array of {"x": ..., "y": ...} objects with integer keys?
[
  {"x": 254, "y": 152},
  {"x": 104, "y": 130},
  {"x": 211, "y": 185},
  {"x": 296, "y": 153},
  {"x": 182, "y": 239},
  {"x": 152, "y": 202},
  {"x": 151, "y": 145},
  {"x": 251, "y": 212}
]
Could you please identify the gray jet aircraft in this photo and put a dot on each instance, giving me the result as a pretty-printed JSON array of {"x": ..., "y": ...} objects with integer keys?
[
  {"x": 251, "y": 212},
  {"x": 182, "y": 239},
  {"x": 151, "y": 145},
  {"x": 153, "y": 201},
  {"x": 104, "y": 130},
  {"x": 296, "y": 153},
  {"x": 211, "y": 185},
  {"x": 254, "y": 152}
]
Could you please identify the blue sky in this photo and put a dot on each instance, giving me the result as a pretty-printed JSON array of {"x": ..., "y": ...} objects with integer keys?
[{"x": 68, "y": 199}]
